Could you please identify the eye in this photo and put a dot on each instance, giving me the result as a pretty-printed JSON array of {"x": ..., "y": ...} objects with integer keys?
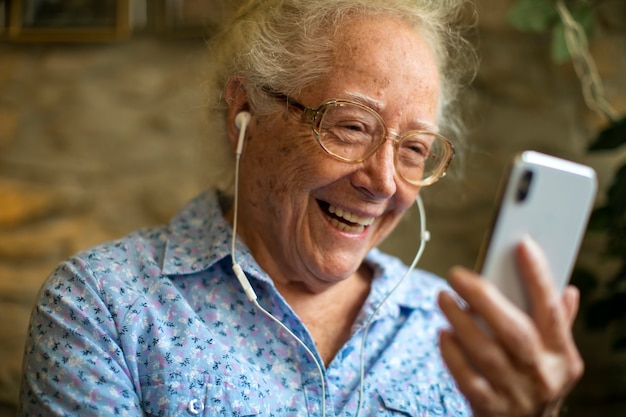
[
  {"x": 414, "y": 150},
  {"x": 352, "y": 126},
  {"x": 416, "y": 147},
  {"x": 350, "y": 133},
  {"x": 348, "y": 128}
]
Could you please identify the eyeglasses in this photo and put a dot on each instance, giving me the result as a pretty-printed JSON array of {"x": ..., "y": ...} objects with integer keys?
[{"x": 352, "y": 132}]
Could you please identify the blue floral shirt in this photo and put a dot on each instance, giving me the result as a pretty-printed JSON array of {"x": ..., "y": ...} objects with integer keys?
[{"x": 156, "y": 324}]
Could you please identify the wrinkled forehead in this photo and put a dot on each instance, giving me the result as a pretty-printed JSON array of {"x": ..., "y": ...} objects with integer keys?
[
  {"x": 382, "y": 60},
  {"x": 338, "y": 31}
]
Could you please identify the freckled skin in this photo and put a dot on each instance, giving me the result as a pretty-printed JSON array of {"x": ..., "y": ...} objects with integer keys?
[{"x": 285, "y": 173}]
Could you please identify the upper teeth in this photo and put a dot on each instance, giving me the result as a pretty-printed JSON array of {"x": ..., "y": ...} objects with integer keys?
[{"x": 351, "y": 217}]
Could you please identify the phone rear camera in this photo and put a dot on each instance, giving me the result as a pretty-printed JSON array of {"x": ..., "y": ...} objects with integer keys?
[{"x": 524, "y": 186}]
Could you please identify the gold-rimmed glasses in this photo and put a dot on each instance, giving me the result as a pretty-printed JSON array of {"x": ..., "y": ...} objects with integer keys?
[{"x": 352, "y": 132}]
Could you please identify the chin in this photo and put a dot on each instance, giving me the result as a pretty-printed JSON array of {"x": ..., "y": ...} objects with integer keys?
[{"x": 332, "y": 271}]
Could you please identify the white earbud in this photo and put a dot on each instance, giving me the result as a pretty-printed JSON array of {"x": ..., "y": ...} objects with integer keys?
[{"x": 241, "y": 121}]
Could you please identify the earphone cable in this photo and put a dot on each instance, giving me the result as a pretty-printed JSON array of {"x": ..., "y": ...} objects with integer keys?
[
  {"x": 251, "y": 294},
  {"x": 424, "y": 237}
]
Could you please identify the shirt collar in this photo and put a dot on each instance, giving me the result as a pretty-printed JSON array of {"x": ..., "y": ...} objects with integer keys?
[
  {"x": 417, "y": 291},
  {"x": 199, "y": 236}
]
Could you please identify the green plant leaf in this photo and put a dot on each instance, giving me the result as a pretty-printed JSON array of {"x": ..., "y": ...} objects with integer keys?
[
  {"x": 533, "y": 15},
  {"x": 583, "y": 15},
  {"x": 560, "y": 51},
  {"x": 611, "y": 138}
]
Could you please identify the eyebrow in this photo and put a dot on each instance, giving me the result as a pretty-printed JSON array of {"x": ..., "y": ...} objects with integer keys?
[
  {"x": 423, "y": 125},
  {"x": 378, "y": 107},
  {"x": 365, "y": 100},
  {"x": 368, "y": 101}
]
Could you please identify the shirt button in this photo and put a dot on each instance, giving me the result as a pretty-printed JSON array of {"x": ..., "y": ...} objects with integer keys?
[{"x": 195, "y": 406}]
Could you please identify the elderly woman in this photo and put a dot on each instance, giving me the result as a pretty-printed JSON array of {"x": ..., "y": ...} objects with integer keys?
[{"x": 273, "y": 299}]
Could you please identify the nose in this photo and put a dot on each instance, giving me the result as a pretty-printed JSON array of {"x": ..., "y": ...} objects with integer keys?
[{"x": 377, "y": 174}]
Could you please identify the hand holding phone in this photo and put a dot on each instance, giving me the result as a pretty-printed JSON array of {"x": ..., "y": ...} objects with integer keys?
[{"x": 548, "y": 199}]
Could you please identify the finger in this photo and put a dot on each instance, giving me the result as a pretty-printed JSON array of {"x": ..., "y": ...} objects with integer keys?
[
  {"x": 571, "y": 303},
  {"x": 554, "y": 315},
  {"x": 472, "y": 385},
  {"x": 510, "y": 325},
  {"x": 481, "y": 350},
  {"x": 539, "y": 374},
  {"x": 535, "y": 271},
  {"x": 482, "y": 297},
  {"x": 546, "y": 307}
]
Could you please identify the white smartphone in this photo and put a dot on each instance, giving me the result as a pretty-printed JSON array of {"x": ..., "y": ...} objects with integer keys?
[{"x": 549, "y": 199}]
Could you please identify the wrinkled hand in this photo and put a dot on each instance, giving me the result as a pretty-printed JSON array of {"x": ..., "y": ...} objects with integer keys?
[{"x": 528, "y": 363}]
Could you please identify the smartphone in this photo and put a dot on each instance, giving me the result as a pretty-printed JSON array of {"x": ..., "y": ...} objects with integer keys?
[{"x": 549, "y": 199}]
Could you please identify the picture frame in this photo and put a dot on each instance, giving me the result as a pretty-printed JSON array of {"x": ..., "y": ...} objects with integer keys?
[
  {"x": 65, "y": 21},
  {"x": 3, "y": 18},
  {"x": 185, "y": 18}
]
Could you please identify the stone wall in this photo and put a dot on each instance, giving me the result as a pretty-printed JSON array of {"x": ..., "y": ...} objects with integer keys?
[{"x": 98, "y": 140}]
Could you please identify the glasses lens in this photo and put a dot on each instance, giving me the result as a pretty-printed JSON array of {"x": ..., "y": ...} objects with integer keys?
[
  {"x": 422, "y": 156},
  {"x": 352, "y": 133},
  {"x": 349, "y": 131}
]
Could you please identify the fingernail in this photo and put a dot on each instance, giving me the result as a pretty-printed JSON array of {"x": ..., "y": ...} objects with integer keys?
[
  {"x": 528, "y": 244},
  {"x": 457, "y": 271}
]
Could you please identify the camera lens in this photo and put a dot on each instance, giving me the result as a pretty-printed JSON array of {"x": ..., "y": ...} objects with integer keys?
[{"x": 524, "y": 186}]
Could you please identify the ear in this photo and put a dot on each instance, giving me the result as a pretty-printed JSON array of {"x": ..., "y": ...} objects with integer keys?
[{"x": 237, "y": 100}]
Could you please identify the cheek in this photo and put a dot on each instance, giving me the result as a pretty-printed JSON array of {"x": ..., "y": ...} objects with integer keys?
[
  {"x": 408, "y": 195},
  {"x": 403, "y": 200},
  {"x": 286, "y": 166}
]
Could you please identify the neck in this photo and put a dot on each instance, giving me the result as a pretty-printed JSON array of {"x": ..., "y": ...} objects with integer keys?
[{"x": 329, "y": 315}]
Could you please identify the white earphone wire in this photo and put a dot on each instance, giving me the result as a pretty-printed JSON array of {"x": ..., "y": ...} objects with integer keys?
[
  {"x": 424, "y": 237},
  {"x": 245, "y": 283}
]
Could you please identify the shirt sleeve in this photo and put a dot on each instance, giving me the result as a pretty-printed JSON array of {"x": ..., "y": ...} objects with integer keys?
[{"x": 73, "y": 363}]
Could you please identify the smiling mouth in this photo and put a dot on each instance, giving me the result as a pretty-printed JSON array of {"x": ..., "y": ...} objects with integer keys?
[{"x": 344, "y": 220}]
